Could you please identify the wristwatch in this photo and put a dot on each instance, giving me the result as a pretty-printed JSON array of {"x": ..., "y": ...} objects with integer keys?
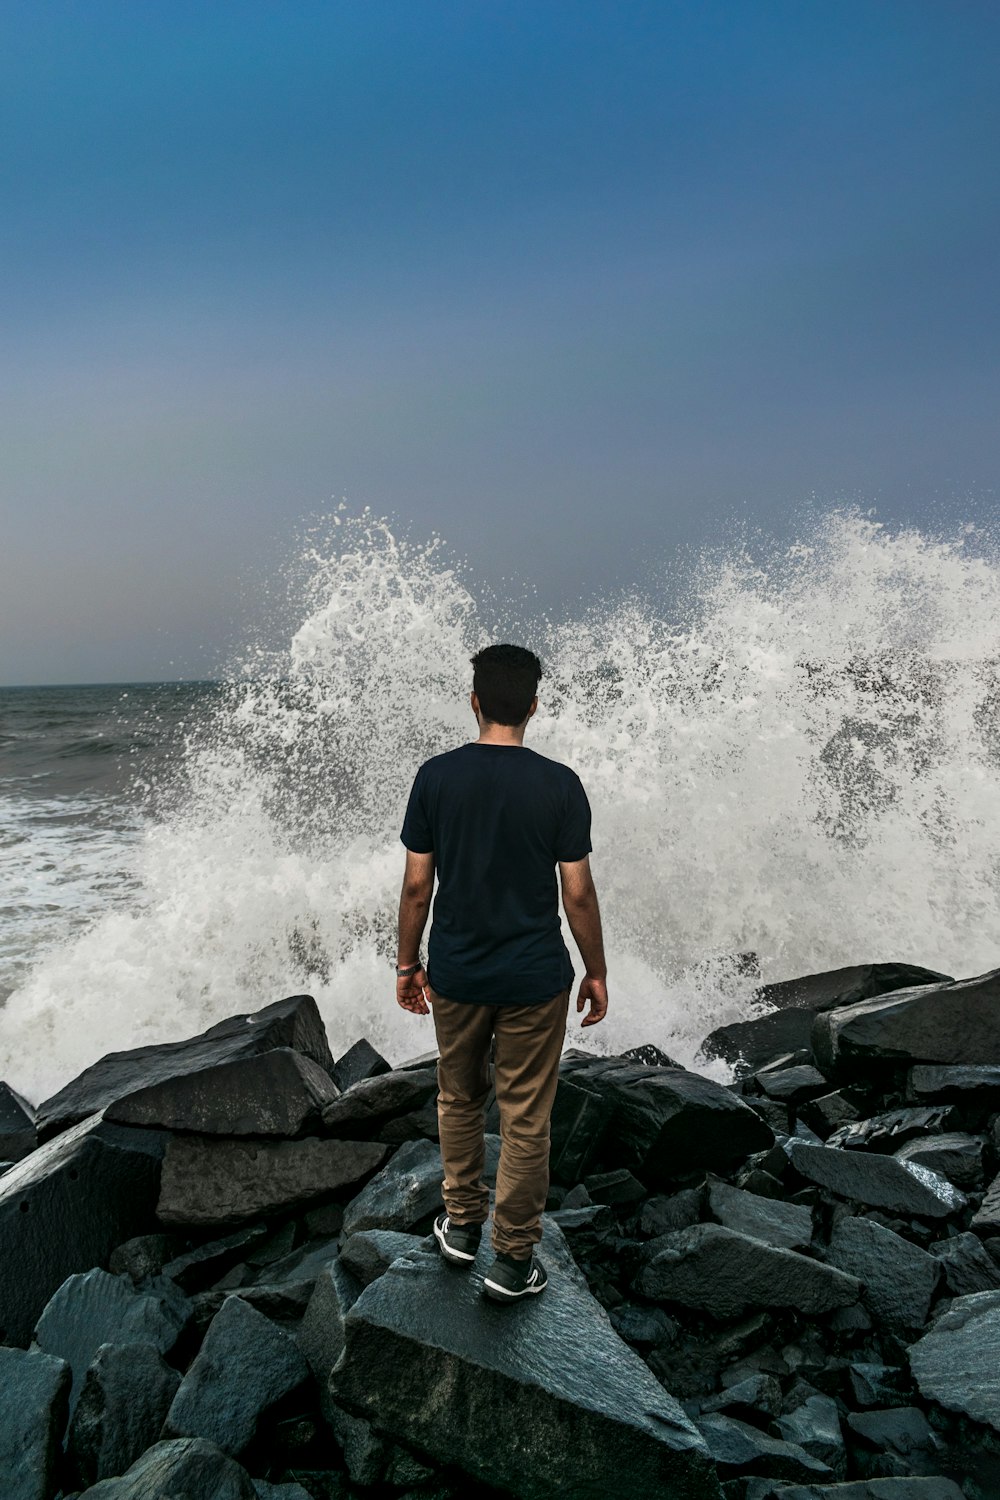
[{"x": 405, "y": 973}]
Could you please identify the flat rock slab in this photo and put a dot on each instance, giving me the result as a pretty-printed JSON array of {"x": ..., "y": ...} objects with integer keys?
[
  {"x": 958, "y": 1362},
  {"x": 509, "y": 1393},
  {"x": 954, "y": 1155},
  {"x": 245, "y": 1366},
  {"x": 65, "y": 1208},
  {"x": 184, "y": 1469},
  {"x": 17, "y": 1125},
  {"x": 125, "y": 1397},
  {"x": 369, "y": 1104},
  {"x": 932, "y": 1023},
  {"x": 898, "y": 1278},
  {"x": 212, "y": 1181},
  {"x": 34, "y": 1395},
  {"x": 727, "y": 1274},
  {"x": 977, "y": 1085},
  {"x": 293, "y": 1023},
  {"x": 877, "y": 1181},
  {"x": 792, "y": 1085},
  {"x": 788, "y": 1225},
  {"x": 275, "y": 1093}
]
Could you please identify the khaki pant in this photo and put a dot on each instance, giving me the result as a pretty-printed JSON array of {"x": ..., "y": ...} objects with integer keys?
[{"x": 529, "y": 1041}]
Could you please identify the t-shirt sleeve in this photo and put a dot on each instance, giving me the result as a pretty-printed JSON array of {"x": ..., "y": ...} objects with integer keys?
[
  {"x": 416, "y": 834},
  {"x": 573, "y": 838}
]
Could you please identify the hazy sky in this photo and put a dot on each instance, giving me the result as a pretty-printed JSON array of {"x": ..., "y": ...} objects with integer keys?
[{"x": 569, "y": 283}]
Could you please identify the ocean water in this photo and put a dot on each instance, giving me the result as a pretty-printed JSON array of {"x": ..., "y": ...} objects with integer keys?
[{"x": 799, "y": 760}]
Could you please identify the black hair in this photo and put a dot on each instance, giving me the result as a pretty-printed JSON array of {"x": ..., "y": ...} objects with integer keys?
[{"x": 505, "y": 679}]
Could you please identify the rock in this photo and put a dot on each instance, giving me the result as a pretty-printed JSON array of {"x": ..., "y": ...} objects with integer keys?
[
  {"x": 580, "y": 1118},
  {"x": 321, "y": 1336},
  {"x": 726, "y": 1274},
  {"x": 34, "y": 1393},
  {"x": 898, "y": 1278},
  {"x": 65, "y": 1207},
  {"x": 407, "y": 1189},
  {"x": 275, "y": 1093},
  {"x": 370, "y": 1252},
  {"x": 483, "y": 1369},
  {"x": 17, "y": 1125},
  {"x": 358, "y": 1063},
  {"x": 215, "y": 1182},
  {"x": 419, "y": 1125},
  {"x": 877, "y": 1181},
  {"x": 836, "y": 987},
  {"x": 94, "y": 1308},
  {"x": 788, "y": 1225},
  {"x": 814, "y": 1426},
  {"x": 125, "y": 1397},
  {"x": 293, "y": 1023},
  {"x": 660, "y": 1213},
  {"x": 957, "y": 1363},
  {"x": 753, "y": 1399},
  {"x": 748, "y": 1045},
  {"x": 245, "y": 1366},
  {"x": 185, "y": 1469},
  {"x": 968, "y": 1267},
  {"x": 866, "y": 1489},
  {"x": 367, "y": 1105},
  {"x": 739, "y": 1448},
  {"x": 792, "y": 1085},
  {"x": 953, "y": 1023},
  {"x": 198, "y": 1268},
  {"x": 957, "y": 1157},
  {"x": 902, "y": 1432},
  {"x": 266, "y": 1491},
  {"x": 643, "y": 1326},
  {"x": 887, "y": 1132},
  {"x": 973, "y": 1085},
  {"x": 577, "y": 1197},
  {"x": 829, "y": 1112},
  {"x": 879, "y": 1385},
  {"x": 143, "y": 1256},
  {"x": 619, "y": 1186},
  {"x": 986, "y": 1219},
  {"x": 652, "y": 1056}
]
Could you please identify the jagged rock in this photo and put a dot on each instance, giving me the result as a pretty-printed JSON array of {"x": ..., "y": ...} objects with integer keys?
[
  {"x": 324, "y": 1222},
  {"x": 143, "y": 1256},
  {"x": 321, "y": 1335},
  {"x": 17, "y": 1125},
  {"x": 619, "y": 1186},
  {"x": 887, "y": 1132},
  {"x": 695, "y": 1365},
  {"x": 125, "y": 1397},
  {"x": 668, "y": 1122},
  {"x": 788, "y": 1225},
  {"x": 275, "y": 1093},
  {"x": 726, "y": 1274},
  {"x": 652, "y": 1056},
  {"x": 292, "y": 1491},
  {"x": 643, "y": 1326},
  {"x": 212, "y": 1181},
  {"x": 879, "y": 1385},
  {"x": 34, "y": 1394},
  {"x": 755, "y": 1398},
  {"x": 905, "y": 1488},
  {"x": 577, "y": 1197},
  {"x": 369, "y": 1252},
  {"x": 748, "y": 1045},
  {"x": 739, "y": 1448},
  {"x": 953, "y": 1023},
  {"x": 482, "y": 1369},
  {"x": 957, "y": 1363},
  {"x": 94, "y": 1308},
  {"x": 877, "y": 1181},
  {"x": 968, "y": 1267},
  {"x": 245, "y": 1366},
  {"x": 898, "y": 1278},
  {"x": 280, "y": 1242},
  {"x": 836, "y": 987},
  {"x": 762, "y": 1184},
  {"x": 977, "y": 1085},
  {"x": 902, "y": 1431},
  {"x": 775, "y": 1115},
  {"x": 985, "y": 1221},
  {"x": 815, "y": 1426},
  {"x": 956, "y": 1156},
  {"x": 293, "y": 1023},
  {"x": 419, "y": 1125},
  {"x": 661, "y": 1213},
  {"x": 829, "y": 1112},
  {"x": 580, "y": 1118},
  {"x": 851, "y": 1320},
  {"x": 65, "y": 1207},
  {"x": 358, "y": 1063},
  {"x": 367, "y": 1105},
  {"x": 198, "y": 1268},
  {"x": 792, "y": 1085},
  {"x": 407, "y": 1189},
  {"x": 370, "y": 1457},
  {"x": 184, "y": 1469}
]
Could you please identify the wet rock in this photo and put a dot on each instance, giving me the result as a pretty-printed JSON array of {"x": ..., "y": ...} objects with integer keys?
[
  {"x": 367, "y": 1105},
  {"x": 977, "y": 1085},
  {"x": 888, "y": 1131},
  {"x": 358, "y": 1063},
  {"x": 957, "y": 1363},
  {"x": 370, "y": 1252},
  {"x": 741, "y": 1449},
  {"x": 956, "y": 1156},
  {"x": 198, "y": 1268},
  {"x": 836, "y": 987},
  {"x": 829, "y": 1112},
  {"x": 748, "y": 1045},
  {"x": 814, "y": 1426},
  {"x": 726, "y": 1274},
  {"x": 65, "y": 1207},
  {"x": 184, "y": 1469},
  {"x": 792, "y": 1085},
  {"x": 580, "y": 1118},
  {"x": 481, "y": 1368},
  {"x": 143, "y": 1256},
  {"x": 244, "y": 1368},
  {"x": 17, "y": 1125},
  {"x": 898, "y": 1278},
  {"x": 788, "y": 1225},
  {"x": 652, "y": 1056},
  {"x": 276, "y": 1093},
  {"x": 755, "y": 1399},
  {"x": 125, "y": 1397},
  {"x": 954, "y": 1023},
  {"x": 94, "y": 1308},
  {"x": 968, "y": 1266},
  {"x": 216, "y": 1182},
  {"x": 34, "y": 1392},
  {"x": 877, "y": 1181},
  {"x": 408, "y": 1188},
  {"x": 293, "y": 1023}
]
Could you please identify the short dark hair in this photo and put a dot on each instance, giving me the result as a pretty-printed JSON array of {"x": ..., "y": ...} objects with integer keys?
[{"x": 505, "y": 679}]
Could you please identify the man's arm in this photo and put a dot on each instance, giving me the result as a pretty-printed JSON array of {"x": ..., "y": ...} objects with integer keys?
[
  {"x": 414, "y": 905},
  {"x": 584, "y": 917}
]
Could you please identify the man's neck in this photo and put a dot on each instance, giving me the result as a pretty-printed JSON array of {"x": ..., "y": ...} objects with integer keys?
[{"x": 500, "y": 734}]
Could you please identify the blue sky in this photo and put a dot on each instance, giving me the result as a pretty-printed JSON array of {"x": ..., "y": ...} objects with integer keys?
[{"x": 569, "y": 283}]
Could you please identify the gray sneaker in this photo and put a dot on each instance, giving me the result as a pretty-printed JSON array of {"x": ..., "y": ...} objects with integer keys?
[{"x": 508, "y": 1279}]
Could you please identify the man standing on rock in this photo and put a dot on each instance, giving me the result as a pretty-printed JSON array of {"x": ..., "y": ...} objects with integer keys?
[{"x": 493, "y": 819}]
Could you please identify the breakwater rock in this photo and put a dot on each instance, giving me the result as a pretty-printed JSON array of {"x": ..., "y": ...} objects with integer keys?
[{"x": 217, "y": 1277}]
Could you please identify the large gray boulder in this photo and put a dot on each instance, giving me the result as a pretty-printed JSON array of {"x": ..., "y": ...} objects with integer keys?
[
  {"x": 212, "y": 1181},
  {"x": 17, "y": 1125},
  {"x": 125, "y": 1397},
  {"x": 34, "y": 1392},
  {"x": 293, "y": 1023},
  {"x": 974, "y": 1084},
  {"x": 954, "y": 1155},
  {"x": 321, "y": 1335},
  {"x": 509, "y": 1394},
  {"x": 957, "y": 1363},
  {"x": 65, "y": 1207},
  {"x": 876, "y": 1181},
  {"x": 579, "y": 1123},
  {"x": 276, "y": 1093},
  {"x": 408, "y": 1188},
  {"x": 182, "y": 1469},
  {"x": 898, "y": 1279},
  {"x": 367, "y": 1105},
  {"x": 726, "y": 1274},
  {"x": 967, "y": 1264},
  {"x": 952, "y": 1023}
]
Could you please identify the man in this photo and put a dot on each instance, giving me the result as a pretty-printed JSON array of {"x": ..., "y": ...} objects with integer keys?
[{"x": 493, "y": 819}]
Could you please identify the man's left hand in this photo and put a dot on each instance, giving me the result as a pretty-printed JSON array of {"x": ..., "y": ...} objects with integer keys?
[{"x": 410, "y": 993}]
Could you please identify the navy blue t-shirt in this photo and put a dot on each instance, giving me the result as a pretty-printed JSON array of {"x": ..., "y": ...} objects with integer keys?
[{"x": 497, "y": 818}]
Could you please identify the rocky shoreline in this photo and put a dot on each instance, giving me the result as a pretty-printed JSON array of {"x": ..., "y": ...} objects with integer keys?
[{"x": 217, "y": 1281}]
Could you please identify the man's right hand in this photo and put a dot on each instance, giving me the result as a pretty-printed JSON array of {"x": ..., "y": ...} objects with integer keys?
[{"x": 596, "y": 991}]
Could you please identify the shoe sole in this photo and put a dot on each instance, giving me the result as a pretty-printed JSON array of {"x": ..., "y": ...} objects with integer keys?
[
  {"x": 500, "y": 1293},
  {"x": 456, "y": 1257}
]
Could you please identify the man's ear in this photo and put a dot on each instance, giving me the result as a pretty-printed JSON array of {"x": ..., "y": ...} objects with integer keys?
[
  {"x": 531, "y": 710},
  {"x": 475, "y": 704}
]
